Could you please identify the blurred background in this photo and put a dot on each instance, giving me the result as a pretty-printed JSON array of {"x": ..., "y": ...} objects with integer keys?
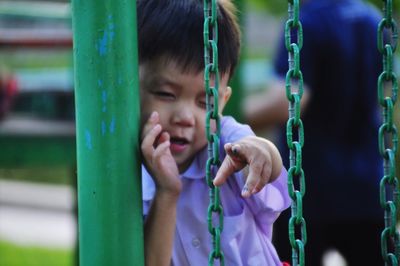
[
  {"x": 37, "y": 158},
  {"x": 37, "y": 132}
]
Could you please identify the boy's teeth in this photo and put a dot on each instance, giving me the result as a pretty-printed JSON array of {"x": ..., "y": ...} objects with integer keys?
[{"x": 178, "y": 141}]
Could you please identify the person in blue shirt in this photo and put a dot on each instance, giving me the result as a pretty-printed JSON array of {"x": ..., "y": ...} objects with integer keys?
[{"x": 340, "y": 65}]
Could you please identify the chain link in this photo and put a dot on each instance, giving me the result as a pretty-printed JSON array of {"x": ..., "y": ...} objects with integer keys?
[
  {"x": 215, "y": 216},
  {"x": 295, "y": 133},
  {"x": 388, "y": 137}
]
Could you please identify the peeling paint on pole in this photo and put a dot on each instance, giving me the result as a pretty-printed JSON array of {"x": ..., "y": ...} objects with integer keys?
[{"x": 107, "y": 116}]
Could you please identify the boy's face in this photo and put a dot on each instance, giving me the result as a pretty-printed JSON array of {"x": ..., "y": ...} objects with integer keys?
[{"x": 180, "y": 100}]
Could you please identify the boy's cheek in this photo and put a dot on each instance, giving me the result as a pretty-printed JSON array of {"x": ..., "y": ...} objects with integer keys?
[{"x": 144, "y": 118}]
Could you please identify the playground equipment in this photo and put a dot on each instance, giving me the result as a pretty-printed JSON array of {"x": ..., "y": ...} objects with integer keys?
[
  {"x": 107, "y": 132},
  {"x": 107, "y": 119},
  {"x": 388, "y": 138},
  {"x": 295, "y": 141}
]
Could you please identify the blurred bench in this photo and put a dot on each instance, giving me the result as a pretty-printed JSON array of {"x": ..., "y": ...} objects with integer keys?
[
  {"x": 30, "y": 142},
  {"x": 46, "y": 136}
]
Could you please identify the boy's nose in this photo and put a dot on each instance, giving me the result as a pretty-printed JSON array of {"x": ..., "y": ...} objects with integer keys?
[{"x": 183, "y": 117}]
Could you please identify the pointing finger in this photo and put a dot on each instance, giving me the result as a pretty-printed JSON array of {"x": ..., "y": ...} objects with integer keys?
[
  {"x": 231, "y": 164},
  {"x": 226, "y": 169}
]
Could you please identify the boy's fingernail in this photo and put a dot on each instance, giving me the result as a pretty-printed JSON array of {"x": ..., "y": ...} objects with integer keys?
[
  {"x": 157, "y": 127},
  {"x": 153, "y": 115},
  {"x": 245, "y": 192}
]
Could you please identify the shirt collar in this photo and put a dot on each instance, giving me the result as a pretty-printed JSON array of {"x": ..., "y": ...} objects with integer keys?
[{"x": 197, "y": 169}]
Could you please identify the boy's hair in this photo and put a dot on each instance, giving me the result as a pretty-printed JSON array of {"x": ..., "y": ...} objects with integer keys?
[{"x": 173, "y": 29}]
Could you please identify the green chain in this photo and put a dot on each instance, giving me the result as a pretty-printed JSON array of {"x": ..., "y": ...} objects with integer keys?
[
  {"x": 294, "y": 78},
  {"x": 211, "y": 69},
  {"x": 388, "y": 138}
]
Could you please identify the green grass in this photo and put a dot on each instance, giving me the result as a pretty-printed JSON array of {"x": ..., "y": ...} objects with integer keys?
[
  {"x": 35, "y": 59},
  {"x": 14, "y": 255},
  {"x": 62, "y": 176}
]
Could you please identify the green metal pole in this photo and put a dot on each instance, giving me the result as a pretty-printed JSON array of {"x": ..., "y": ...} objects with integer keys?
[{"x": 107, "y": 116}]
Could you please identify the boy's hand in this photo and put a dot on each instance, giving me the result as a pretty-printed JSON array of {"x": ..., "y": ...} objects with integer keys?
[
  {"x": 262, "y": 157},
  {"x": 158, "y": 158}
]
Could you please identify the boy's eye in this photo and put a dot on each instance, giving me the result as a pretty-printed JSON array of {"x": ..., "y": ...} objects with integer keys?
[
  {"x": 164, "y": 94},
  {"x": 203, "y": 104}
]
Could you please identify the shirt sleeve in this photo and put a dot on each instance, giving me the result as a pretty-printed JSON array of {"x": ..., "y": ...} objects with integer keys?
[
  {"x": 148, "y": 190},
  {"x": 232, "y": 131},
  {"x": 273, "y": 198},
  {"x": 267, "y": 204}
]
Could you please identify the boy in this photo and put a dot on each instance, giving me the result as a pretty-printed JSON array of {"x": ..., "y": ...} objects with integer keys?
[{"x": 174, "y": 145}]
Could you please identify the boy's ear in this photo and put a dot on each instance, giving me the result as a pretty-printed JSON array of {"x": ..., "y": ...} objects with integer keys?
[{"x": 225, "y": 97}]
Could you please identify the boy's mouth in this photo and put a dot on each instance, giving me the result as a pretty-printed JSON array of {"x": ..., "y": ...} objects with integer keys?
[{"x": 178, "y": 144}]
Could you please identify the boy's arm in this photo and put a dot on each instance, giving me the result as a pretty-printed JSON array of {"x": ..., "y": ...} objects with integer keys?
[
  {"x": 262, "y": 157},
  {"x": 159, "y": 229},
  {"x": 160, "y": 224},
  {"x": 270, "y": 108}
]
